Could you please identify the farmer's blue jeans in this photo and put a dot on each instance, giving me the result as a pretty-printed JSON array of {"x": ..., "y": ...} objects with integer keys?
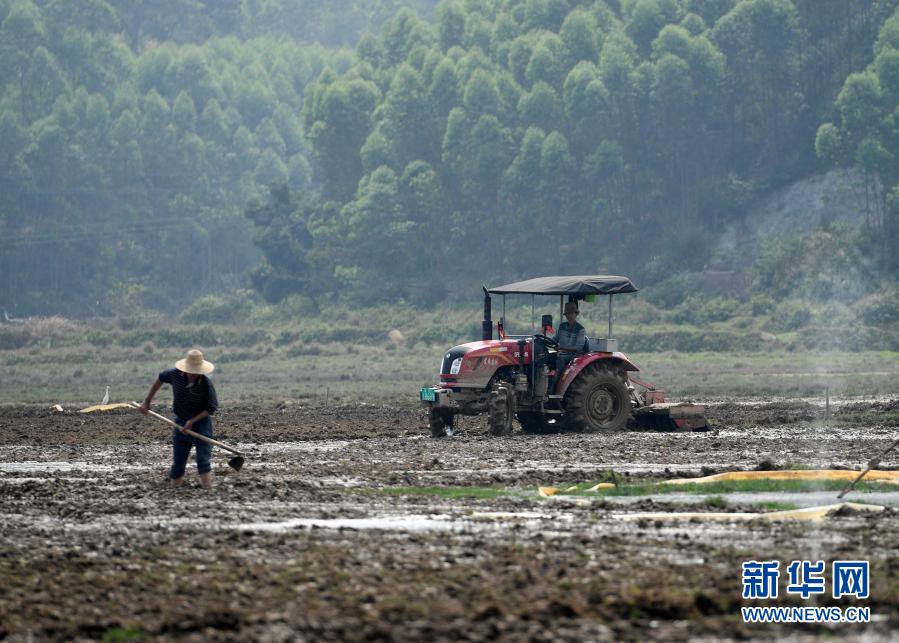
[{"x": 181, "y": 445}]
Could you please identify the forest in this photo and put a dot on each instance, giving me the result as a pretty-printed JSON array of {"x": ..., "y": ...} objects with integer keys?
[{"x": 372, "y": 151}]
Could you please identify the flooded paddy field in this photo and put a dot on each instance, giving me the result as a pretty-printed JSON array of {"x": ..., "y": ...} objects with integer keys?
[{"x": 348, "y": 523}]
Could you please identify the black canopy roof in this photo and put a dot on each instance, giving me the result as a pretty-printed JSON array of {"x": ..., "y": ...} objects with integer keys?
[{"x": 582, "y": 285}]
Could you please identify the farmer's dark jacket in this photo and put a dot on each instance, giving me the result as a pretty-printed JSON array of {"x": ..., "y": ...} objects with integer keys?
[{"x": 190, "y": 400}]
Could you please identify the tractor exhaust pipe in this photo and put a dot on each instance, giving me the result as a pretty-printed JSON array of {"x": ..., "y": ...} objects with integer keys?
[{"x": 487, "y": 324}]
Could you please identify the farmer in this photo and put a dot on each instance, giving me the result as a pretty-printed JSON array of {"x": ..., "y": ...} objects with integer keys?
[
  {"x": 571, "y": 337},
  {"x": 194, "y": 402}
]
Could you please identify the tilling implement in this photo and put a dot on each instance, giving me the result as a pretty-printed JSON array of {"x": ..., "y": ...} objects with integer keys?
[
  {"x": 235, "y": 463},
  {"x": 872, "y": 463}
]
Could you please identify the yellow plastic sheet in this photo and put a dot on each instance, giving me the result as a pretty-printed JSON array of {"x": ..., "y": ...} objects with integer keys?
[
  {"x": 806, "y": 513},
  {"x": 546, "y": 492},
  {"x": 106, "y": 407},
  {"x": 602, "y": 485},
  {"x": 817, "y": 474}
]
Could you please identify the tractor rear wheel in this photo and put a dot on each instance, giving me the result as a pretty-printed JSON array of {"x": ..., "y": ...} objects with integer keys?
[
  {"x": 533, "y": 422},
  {"x": 597, "y": 400},
  {"x": 500, "y": 409},
  {"x": 441, "y": 422}
]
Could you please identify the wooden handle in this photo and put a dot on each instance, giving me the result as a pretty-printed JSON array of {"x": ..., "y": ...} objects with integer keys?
[
  {"x": 192, "y": 434},
  {"x": 849, "y": 487},
  {"x": 873, "y": 462}
]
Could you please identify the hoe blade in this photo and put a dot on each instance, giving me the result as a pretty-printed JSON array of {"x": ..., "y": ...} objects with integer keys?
[{"x": 236, "y": 462}]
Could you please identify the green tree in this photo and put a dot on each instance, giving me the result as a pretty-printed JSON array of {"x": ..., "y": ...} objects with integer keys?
[
  {"x": 520, "y": 52},
  {"x": 580, "y": 38},
  {"x": 271, "y": 170},
  {"x": 184, "y": 114},
  {"x": 21, "y": 33},
  {"x": 522, "y": 195},
  {"x": 376, "y": 152},
  {"x": 545, "y": 14},
  {"x": 547, "y": 63},
  {"x": 42, "y": 83},
  {"x": 586, "y": 104},
  {"x": 381, "y": 235},
  {"x": 481, "y": 95},
  {"x": 541, "y": 107},
  {"x": 644, "y": 23},
  {"x": 268, "y": 137},
  {"x": 406, "y": 118},
  {"x": 213, "y": 124},
  {"x": 341, "y": 125},
  {"x": 85, "y": 15},
  {"x": 281, "y": 232},
  {"x": 401, "y": 34}
]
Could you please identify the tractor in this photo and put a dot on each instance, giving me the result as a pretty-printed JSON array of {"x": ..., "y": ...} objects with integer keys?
[{"x": 515, "y": 376}]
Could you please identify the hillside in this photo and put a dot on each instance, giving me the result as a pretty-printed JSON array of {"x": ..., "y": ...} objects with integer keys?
[{"x": 151, "y": 158}]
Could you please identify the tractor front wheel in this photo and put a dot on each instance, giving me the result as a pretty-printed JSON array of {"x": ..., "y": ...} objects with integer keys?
[
  {"x": 597, "y": 400},
  {"x": 500, "y": 409},
  {"x": 441, "y": 422}
]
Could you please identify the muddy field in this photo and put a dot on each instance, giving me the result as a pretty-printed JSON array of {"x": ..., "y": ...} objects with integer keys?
[{"x": 330, "y": 531}]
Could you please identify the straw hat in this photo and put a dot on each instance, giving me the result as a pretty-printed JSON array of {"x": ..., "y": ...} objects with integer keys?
[
  {"x": 571, "y": 307},
  {"x": 194, "y": 363}
]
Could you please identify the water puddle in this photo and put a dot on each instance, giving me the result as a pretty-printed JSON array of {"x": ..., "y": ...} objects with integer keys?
[
  {"x": 618, "y": 467},
  {"x": 301, "y": 447},
  {"x": 798, "y": 499},
  {"x": 347, "y": 483},
  {"x": 835, "y": 402},
  {"x": 45, "y": 467},
  {"x": 14, "y": 481},
  {"x": 408, "y": 523}
]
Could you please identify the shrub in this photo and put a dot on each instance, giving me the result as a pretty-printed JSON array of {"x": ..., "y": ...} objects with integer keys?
[
  {"x": 12, "y": 337},
  {"x": 216, "y": 309},
  {"x": 761, "y": 305},
  {"x": 881, "y": 309},
  {"x": 670, "y": 292},
  {"x": 304, "y": 349},
  {"x": 286, "y": 337},
  {"x": 790, "y": 315},
  {"x": 855, "y": 338},
  {"x": 823, "y": 264},
  {"x": 701, "y": 310}
]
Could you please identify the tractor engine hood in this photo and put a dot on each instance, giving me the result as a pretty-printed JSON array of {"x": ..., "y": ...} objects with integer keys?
[{"x": 475, "y": 363}]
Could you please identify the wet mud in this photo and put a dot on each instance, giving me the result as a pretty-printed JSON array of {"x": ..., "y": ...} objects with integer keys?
[{"x": 329, "y": 532}]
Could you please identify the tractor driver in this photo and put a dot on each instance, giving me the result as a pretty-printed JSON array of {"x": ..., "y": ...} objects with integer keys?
[{"x": 571, "y": 337}]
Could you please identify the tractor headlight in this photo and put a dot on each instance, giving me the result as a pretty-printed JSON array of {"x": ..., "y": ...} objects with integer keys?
[{"x": 456, "y": 365}]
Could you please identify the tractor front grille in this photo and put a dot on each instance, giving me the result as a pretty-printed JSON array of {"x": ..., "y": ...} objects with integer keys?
[{"x": 450, "y": 356}]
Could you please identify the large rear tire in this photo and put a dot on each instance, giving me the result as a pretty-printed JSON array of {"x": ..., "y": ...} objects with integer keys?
[
  {"x": 500, "y": 409},
  {"x": 440, "y": 421},
  {"x": 597, "y": 400}
]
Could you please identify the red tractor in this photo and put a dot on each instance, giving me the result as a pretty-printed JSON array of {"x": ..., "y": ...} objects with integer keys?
[{"x": 514, "y": 376}]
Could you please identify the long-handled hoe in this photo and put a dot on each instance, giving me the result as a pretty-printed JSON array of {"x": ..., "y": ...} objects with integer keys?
[
  {"x": 873, "y": 462},
  {"x": 235, "y": 463}
]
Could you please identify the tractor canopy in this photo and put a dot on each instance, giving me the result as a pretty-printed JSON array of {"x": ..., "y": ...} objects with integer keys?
[{"x": 578, "y": 286}]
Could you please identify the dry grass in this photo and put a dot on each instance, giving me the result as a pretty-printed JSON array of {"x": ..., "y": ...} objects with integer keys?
[{"x": 55, "y": 326}]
